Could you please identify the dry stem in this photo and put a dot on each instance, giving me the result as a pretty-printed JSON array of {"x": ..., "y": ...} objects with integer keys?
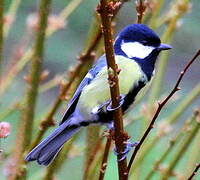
[
  {"x": 91, "y": 157},
  {"x": 105, "y": 10},
  {"x": 105, "y": 157},
  {"x": 140, "y": 8},
  {"x": 185, "y": 129},
  {"x": 160, "y": 106},
  {"x": 194, "y": 172},
  {"x": 181, "y": 150},
  {"x": 25, "y": 130}
]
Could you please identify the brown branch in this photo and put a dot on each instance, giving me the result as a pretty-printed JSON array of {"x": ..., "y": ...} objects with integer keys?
[
  {"x": 106, "y": 12},
  {"x": 194, "y": 172},
  {"x": 105, "y": 157},
  {"x": 160, "y": 106},
  {"x": 140, "y": 8},
  {"x": 91, "y": 158}
]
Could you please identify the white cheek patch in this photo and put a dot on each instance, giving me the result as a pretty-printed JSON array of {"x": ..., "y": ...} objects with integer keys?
[{"x": 136, "y": 49}]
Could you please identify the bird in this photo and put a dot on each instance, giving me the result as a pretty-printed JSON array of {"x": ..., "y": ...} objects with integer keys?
[{"x": 136, "y": 49}]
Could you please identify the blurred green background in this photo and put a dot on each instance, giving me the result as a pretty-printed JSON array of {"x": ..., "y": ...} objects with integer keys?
[{"x": 60, "y": 53}]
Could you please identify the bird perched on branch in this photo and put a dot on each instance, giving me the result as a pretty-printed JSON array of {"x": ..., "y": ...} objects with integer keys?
[{"x": 136, "y": 50}]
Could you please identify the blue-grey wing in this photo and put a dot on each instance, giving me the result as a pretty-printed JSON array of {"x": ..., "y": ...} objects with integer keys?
[{"x": 101, "y": 62}]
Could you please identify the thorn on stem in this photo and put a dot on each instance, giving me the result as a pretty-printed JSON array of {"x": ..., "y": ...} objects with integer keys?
[
  {"x": 27, "y": 78},
  {"x": 44, "y": 75},
  {"x": 152, "y": 126}
]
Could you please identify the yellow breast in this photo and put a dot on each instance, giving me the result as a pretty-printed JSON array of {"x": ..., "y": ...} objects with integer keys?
[{"x": 97, "y": 92}]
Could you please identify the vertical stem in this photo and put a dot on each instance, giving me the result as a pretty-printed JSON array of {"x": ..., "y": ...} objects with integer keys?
[
  {"x": 29, "y": 53},
  {"x": 28, "y": 107},
  {"x": 35, "y": 69},
  {"x": 105, "y": 158},
  {"x": 182, "y": 149},
  {"x": 1, "y": 35},
  {"x": 185, "y": 129},
  {"x": 167, "y": 38},
  {"x": 140, "y": 8},
  {"x": 92, "y": 138},
  {"x": 155, "y": 13},
  {"x": 12, "y": 13},
  {"x": 114, "y": 89},
  {"x": 194, "y": 157}
]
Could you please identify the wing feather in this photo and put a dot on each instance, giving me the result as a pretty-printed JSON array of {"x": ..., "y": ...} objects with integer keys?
[{"x": 87, "y": 80}]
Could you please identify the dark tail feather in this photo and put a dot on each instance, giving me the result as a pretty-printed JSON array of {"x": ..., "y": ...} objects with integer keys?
[{"x": 47, "y": 150}]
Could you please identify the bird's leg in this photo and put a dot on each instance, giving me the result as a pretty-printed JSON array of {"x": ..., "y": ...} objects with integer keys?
[
  {"x": 128, "y": 147},
  {"x": 106, "y": 107},
  {"x": 128, "y": 144},
  {"x": 101, "y": 109},
  {"x": 121, "y": 101}
]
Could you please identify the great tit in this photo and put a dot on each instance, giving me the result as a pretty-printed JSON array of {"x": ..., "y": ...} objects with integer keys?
[{"x": 136, "y": 50}]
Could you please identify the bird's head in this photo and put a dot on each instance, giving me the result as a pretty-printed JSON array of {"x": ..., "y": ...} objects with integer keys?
[{"x": 137, "y": 41}]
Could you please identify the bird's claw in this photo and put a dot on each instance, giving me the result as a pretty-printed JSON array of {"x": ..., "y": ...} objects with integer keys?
[
  {"x": 121, "y": 101},
  {"x": 128, "y": 147},
  {"x": 107, "y": 106}
]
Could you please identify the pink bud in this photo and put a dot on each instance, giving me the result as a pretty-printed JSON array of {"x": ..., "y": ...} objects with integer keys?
[
  {"x": 56, "y": 22},
  {"x": 32, "y": 21},
  {"x": 4, "y": 129}
]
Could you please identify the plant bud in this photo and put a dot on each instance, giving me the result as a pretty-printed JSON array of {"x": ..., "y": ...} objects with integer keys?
[{"x": 4, "y": 129}]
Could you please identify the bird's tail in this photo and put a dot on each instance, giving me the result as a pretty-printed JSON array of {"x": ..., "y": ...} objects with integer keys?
[{"x": 47, "y": 150}]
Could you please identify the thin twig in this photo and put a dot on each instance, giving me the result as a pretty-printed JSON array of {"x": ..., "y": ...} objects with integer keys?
[
  {"x": 160, "y": 106},
  {"x": 105, "y": 157},
  {"x": 191, "y": 96},
  {"x": 29, "y": 105},
  {"x": 92, "y": 154},
  {"x": 181, "y": 150},
  {"x": 167, "y": 37},
  {"x": 12, "y": 11},
  {"x": 155, "y": 13},
  {"x": 140, "y": 8},
  {"x": 105, "y": 10},
  {"x": 194, "y": 172},
  {"x": 185, "y": 129},
  {"x": 92, "y": 161},
  {"x": 35, "y": 69}
]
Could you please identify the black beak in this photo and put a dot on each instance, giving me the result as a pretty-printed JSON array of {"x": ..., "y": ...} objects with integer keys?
[{"x": 164, "y": 47}]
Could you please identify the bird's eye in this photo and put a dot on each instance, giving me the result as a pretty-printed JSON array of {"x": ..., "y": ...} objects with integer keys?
[{"x": 144, "y": 43}]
